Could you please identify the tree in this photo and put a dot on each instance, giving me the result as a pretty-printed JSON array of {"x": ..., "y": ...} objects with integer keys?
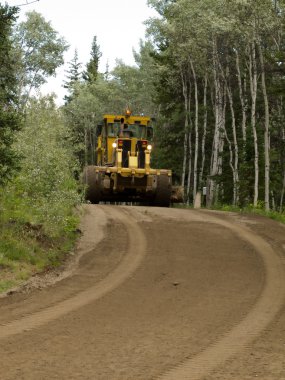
[
  {"x": 223, "y": 67},
  {"x": 9, "y": 118},
  {"x": 73, "y": 77},
  {"x": 91, "y": 73},
  {"x": 39, "y": 52},
  {"x": 125, "y": 86},
  {"x": 45, "y": 182}
]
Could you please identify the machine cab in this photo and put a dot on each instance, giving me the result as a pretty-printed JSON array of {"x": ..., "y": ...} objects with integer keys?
[{"x": 132, "y": 134}]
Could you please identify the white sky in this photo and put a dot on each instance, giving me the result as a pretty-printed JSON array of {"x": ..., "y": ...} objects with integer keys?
[{"x": 118, "y": 25}]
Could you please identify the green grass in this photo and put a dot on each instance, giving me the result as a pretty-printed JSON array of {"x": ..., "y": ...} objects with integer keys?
[
  {"x": 6, "y": 285},
  {"x": 250, "y": 209},
  {"x": 280, "y": 217},
  {"x": 29, "y": 241}
]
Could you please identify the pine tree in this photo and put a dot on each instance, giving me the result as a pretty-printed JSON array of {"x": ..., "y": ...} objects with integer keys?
[
  {"x": 9, "y": 118},
  {"x": 73, "y": 77},
  {"x": 91, "y": 73}
]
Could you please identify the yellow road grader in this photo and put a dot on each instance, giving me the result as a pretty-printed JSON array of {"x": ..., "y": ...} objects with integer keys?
[{"x": 123, "y": 170}]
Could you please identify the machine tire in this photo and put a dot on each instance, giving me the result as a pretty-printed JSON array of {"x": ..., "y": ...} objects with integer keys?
[
  {"x": 163, "y": 191},
  {"x": 93, "y": 182}
]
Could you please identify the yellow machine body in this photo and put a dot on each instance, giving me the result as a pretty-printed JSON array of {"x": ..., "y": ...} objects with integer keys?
[{"x": 123, "y": 171}]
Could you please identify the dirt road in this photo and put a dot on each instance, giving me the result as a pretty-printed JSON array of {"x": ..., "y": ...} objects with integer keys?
[{"x": 155, "y": 294}]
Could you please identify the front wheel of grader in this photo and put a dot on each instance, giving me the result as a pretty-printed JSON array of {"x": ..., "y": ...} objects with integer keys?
[
  {"x": 163, "y": 191},
  {"x": 93, "y": 183}
]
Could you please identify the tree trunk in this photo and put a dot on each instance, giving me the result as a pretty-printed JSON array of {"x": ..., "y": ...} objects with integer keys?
[
  {"x": 253, "y": 91},
  {"x": 282, "y": 194},
  {"x": 196, "y": 149},
  {"x": 189, "y": 148},
  {"x": 204, "y": 131},
  {"x": 219, "y": 187},
  {"x": 232, "y": 166},
  {"x": 189, "y": 167},
  {"x": 86, "y": 147},
  {"x": 236, "y": 150},
  {"x": 266, "y": 131},
  {"x": 217, "y": 141},
  {"x": 186, "y": 127},
  {"x": 242, "y": 99},
  {"x": 283, "y": 174}
]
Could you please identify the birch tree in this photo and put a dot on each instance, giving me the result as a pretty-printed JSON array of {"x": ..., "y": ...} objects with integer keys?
[{"x": 38, "y": 51}]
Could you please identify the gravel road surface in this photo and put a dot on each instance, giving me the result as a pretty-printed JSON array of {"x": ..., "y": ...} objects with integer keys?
[{"x": 155, "y": 294}]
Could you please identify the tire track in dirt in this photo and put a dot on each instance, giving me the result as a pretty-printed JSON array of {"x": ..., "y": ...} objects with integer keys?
[
  {"x": 254, "y": 322},
  {"x": 129, "y": 263}
]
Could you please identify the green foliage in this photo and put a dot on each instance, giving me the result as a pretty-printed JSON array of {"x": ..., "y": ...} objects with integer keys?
[
  {"x": 26, "y": 246},
  {"x": 250, "y": 209},
  {"x": 168, "y": 145},
  {"x": 48, "y": 165},
  {"x": 5, "y": 285},
  {"x": 91, "y": 73},
  {"x": 223, "y": 43},
  {"x": 38, "y": 218},
  {"x": 9, "y": 118},
  {"x": 38, "y": 53},
  {"x": 73, "y": 77},
  {"x": 126, "y": 86}
]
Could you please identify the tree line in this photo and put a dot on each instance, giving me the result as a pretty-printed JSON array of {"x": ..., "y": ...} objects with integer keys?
[
  {"x": 37, "y": 163},
  {"x": 222, "y": 76},
  {"x": 210, "y": 72}
]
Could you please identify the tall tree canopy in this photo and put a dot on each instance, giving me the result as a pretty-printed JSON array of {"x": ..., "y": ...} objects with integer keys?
[
  {"x": 9, "y": 118},
  {"x": 73, "y": 77},
  {"x": 39, "y": 52},
  {"x": 221, "y": 74},
  {"x": 92, "y": 67}
]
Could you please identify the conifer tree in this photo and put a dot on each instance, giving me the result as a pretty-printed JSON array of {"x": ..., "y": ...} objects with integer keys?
[
  {"x": 91, "y": 73},
  {"x": 73, "y": 77},
  {"x": 9, "y": 118}
]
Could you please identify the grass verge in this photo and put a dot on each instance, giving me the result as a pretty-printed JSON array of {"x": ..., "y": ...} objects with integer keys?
[
  {"x": 280, "y": 217},
  {"x": 31, "y": 242}
]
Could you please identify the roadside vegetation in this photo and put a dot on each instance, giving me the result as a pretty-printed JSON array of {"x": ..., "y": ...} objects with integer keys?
[
  {"x": 38, "y": 217},
  {"x": 250, "y": 209},
  {"x": 38, "y": 192},
  {"x": 211, "y": 76}
]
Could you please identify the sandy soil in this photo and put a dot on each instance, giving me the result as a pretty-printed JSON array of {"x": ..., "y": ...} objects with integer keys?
[{"x": 155, "y": 293}]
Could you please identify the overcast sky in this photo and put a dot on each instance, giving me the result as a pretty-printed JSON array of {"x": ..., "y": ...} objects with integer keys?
[{"x": 118, "y": 25}]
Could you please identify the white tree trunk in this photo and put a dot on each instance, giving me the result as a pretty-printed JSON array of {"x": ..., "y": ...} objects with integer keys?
[
  {"x": 189, "y": 176},
  {"x": 253, "y": 91},
  {"x": 196, "y": 149},
  {"x": 234, "y": 165},
  {"x": 185, "y": 149},
  {"x": 266, "y": 132},
  {"x": 242, "y": 98},
  {"x": 189, "y": 167},
  {"x": 204, "y": 130},
  {"x": 217, "y": 140},
  {"x": 186, "y": 127}
]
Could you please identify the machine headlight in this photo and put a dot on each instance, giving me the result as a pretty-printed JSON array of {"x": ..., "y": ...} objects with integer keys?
[
  {"x": 149, "y": 147},
  {"x": 114, "y": 145}
]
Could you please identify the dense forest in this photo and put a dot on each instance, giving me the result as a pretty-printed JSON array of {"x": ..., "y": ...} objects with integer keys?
[
  {"x": 211, "y": 73},
  {"x": 212, "y": 76},
  {"x": 224, "y": 61}
]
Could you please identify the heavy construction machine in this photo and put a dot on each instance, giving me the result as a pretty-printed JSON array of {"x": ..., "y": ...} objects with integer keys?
[{"x": 123, "y": 170}]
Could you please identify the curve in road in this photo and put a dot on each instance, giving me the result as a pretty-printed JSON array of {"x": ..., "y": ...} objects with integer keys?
[
  {"x": 200, "y": 364},
  {"x": 251, "y": 326},
  {"x": 129, "y": 263}
]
